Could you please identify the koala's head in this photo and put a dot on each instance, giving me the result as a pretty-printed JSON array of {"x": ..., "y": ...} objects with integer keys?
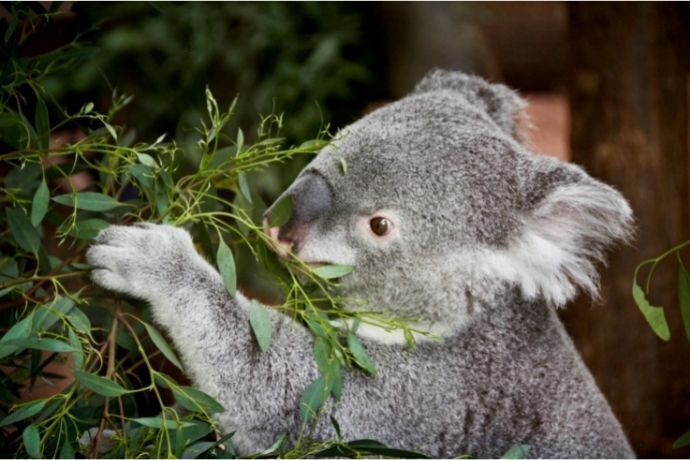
[{"x": 440, "y": 207}]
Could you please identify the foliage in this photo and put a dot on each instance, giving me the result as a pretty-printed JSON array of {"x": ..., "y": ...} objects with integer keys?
[
  {"x": 66, "y": 176},
  {"x": 655, "y": 315}
]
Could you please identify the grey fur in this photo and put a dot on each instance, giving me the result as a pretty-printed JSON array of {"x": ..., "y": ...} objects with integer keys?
[{"x": 490, "y": 239}]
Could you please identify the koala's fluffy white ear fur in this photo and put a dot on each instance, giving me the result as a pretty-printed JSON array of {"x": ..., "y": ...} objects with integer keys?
[
  {"x": 564, "y": 234},
  {"x": 502, "y": 104}
]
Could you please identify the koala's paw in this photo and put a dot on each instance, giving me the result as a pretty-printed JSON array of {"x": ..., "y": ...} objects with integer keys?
[{"x": 145, "y": 261}]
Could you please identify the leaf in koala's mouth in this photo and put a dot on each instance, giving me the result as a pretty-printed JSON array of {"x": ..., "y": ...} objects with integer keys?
[{"x": 333, "y": 271}]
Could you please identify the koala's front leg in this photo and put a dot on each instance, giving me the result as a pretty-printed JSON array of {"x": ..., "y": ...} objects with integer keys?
[{"x": 260, "y": 391}]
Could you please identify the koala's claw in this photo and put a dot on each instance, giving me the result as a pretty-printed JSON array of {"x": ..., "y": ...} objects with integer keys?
[{"x": 143, "y": 260}]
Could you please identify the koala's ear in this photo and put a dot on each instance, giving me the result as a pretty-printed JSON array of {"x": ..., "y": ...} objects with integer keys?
[
  {"x": 568, "y": 221},
  {"x": 502, "y": 104}
]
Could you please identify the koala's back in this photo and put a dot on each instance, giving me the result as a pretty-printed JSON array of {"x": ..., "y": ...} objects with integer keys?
[{"x": 519, "y": 381}]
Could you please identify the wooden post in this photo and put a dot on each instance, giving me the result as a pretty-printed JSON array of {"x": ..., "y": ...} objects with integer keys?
[{"x": 628, "y": 90}]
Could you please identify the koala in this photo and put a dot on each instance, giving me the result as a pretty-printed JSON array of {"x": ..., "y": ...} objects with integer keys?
[{"x": 448, "y": 218}]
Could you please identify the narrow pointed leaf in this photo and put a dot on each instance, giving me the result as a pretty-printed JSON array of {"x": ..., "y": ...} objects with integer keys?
[
  {"x": 312, "y": 399},
  {"x": 22, "y": 231},
  {"x": 88, "y": 201},
  {"x": 159, "y": 422},
  {"x": 359, "y": 353},
  {"x": 20, "y": 330},
  {"x": 260, "y": 320},
  {"x": 244, "y": 187},
  {"x": 25, "y": 411},
  {"x": 32, "y": 441},
  {"x": 35, "y": 343},
  {"x": 78, "y": 353},
  {"x": 226, "y": 266},
  {"x": 195, "y": 400},
  {"x": 654, "y": 315},
  {"x": 162, "y": 345},
  {"x": 100, "y": 385},
  {"x": 39, "y": 206},
  {"x": 87, "y": 229},
  {"x": 518, "y": 451},
  {"x": 682, "y": 441},
  {"x": 333, "y": 271}
]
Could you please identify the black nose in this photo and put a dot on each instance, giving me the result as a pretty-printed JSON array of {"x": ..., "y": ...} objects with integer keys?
[{"x": 312, "y": 198}]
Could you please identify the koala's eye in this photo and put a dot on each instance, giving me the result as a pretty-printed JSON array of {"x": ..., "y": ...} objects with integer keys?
[{"x": 380, "y": 225}]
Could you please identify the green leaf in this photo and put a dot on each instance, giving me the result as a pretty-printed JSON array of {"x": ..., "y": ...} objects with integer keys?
[
  {"x": 369, "y": 446},
  {"x": 312, "y": 399},
  {"x": 281, "y": 211},
  {"x": 196, "y": 400},
  {"x": 260, "y": 320},
  {"x": 100, "y": 385},
  {"x": 87, "y": 229},
  {"x": 159, "y": 422},
  {"x": 79, "y": 320},
  {"x": 35, "y": 343},
  {"x": 88, "y": 201},
  {"x": 226, "y": 266},
  {"x": 244, "y": 187},
  {"x": 359, "y": 353},
  {"x": 343, "y": 166},
  {"x": 22, "y": 231},
  {"x": 683, "y": 441},
  {"x": 111, "y": 130},
  {"x": 654, "y": 315},
  {"x": 162, "y": 345},
  {"x": 197, "y": 449},
  {"x": 19, "y": 330},
  {"x": 25, "y": 411},
  {"x": 32, "y": 441},
  {"x": 39, "y": 206},
  {"x": 240, "y": 140},
  {"x": 47, "y": 315},
  {"x": 78, "y": 353},
  {"x": 684, "y": 297},
  {"x": 67, "y": 451},
  {"x": 13, "y": 131},
  {"x": 328, "y": 272},
  {"x": 146, "y": 159},
  {"x": 518, "y": 451},
  {"x": 42, "y": 124}
]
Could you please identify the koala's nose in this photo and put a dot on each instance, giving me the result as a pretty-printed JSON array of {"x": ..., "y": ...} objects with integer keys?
[{"x": 312, "y": 199}]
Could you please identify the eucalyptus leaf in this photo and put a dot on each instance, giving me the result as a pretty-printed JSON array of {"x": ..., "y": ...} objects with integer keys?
[
  {"x": 87, "y": 229},
  {"x": 20, "y": 330},
  {"x": 682, "y": 441},
  {"x": 244, "y": 187},
  {"x": 39, "y": 205},
  {"x": 359, "y": 353},
  {"x": 100, "y": 385},
  {"x": 517, "y": 452},
  {"x": 88, "y": 201},
  {"x": 312, "y": 399},
  {"x": 654, "y": 315},
  {"x": 333, "y": 271},
  {"x": 159, "y": 422},
  {"x": 162, "y": 345},
  {"x": 22, "y": 231},
  {"x": 226, "y": 266},
  {"x": 23, "y": 412},
  {"x": 260, "y": 320},
  {"x": 36, "y": 343},
  {"x": 195, "y": 400},
  {"x": 32, "y": 441},
  {"x": 78, "y": 353}
]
